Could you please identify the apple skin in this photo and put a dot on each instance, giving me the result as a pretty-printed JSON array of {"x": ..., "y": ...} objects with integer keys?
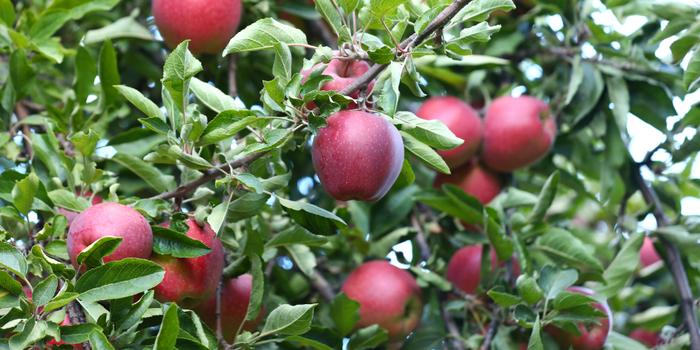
[
  {"x": 518, "y": 131},
  {"x": 111, "y": 219},
  {"x": 464, "y": 267},
  {"x": 648, "y": 255},
  {"x": 648, "y": 338},
  {"x": 593, "y": 336},
  {"x": 357, "y": 155},
  {"x": 235, "y": 297},
  {"x": 461, "y": 119},
  {"x": 344, "y": 73},
  {"x": 190, "y": 281},
  {"x": 209, "y": 24},
  {"x": 475, "y": 180},
  {"x": 70, "y": 215},
  {"x": 388, "y": 296}
]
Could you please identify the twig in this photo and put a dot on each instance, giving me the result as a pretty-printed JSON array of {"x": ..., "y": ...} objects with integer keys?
[
  {"x": 322, "y": 286},
  {"x": 320, "y": 28},
  {"x": 456, "y": 339},
  {"x": 219, "y": 330},
  {"x": 232, "y": 66},
  {"x": 493, "y": 328},
  {"x": 672, "y": 258},
  {"x": 420, "y": 237},
  {"x": 76, "y": 317}
]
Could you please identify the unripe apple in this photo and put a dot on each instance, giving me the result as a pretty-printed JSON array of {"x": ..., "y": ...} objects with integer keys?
[
  {"x": 358, "y": 155},
  {"x": 648, "y": 338},
  {"x": 344, "y": 73},
  {"x": 461, "y": 119},
  {"x": 464, "y": 267},
  {"x": 70, "y": 215},
  {"x": 235, "y": 297},
  {"x": 209, "y": 24},
  {"x": 473, "y": 179},
  {"x": 111, "y": 219},
  {"x": 648, "y": 255},
  {"x": 593, "y": 336},
  {"x": 190, "y": 281},
  {"x": 388, "y": 296},
  {"x": 518, "y": 131}
]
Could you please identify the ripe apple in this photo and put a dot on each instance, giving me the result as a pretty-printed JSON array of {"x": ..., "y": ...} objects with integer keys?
[
  {"x": 388, "y": 296},
  {"x": 358, "y": 155},
  {"x": 593, "y": 336},
  {"x": 464, "y": 267},
  {"x": 189, "y": 281},
  {"x": 235, "y": 297},
  {"x": 209, "y": 24},
  {"x": 648, "y": 255},
  {"x": 70, "y": 215},
  {"x": 461, "y": 119},
  {"x": 648, "y": 338},
  {"x": 344, "y": 73},
  {"x": 473, "y": 179},
  {"x": 518, "y": 131},
  {"x": 111, "y": 219}
]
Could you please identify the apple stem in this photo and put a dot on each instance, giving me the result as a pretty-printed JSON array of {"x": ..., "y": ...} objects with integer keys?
[{"x": 672, "y": 259}]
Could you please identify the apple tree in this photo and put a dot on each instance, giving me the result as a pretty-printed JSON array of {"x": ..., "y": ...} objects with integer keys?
[{"x": 349, "y": 174}]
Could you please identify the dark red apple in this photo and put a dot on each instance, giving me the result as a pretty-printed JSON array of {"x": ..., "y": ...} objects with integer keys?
[
  {"x": 111, "y": 219},
  {"x": 388, "y": 296},
  {"x": 464, "y": 267},
  {"x": 344, "y": 73},
  {"x": 190, "y": 281},
  {"x": 209, "y": 24},
  {"x": 593, "y": 336},
  {"x": 358, "y": 155},
  {"x": 70, "y": 215},
  {"x": 648, "y": 255},
  {"x": 235, "y": 297},
  {"x": 648, "y": 338},
  {"x": 518, "y": 131},
  {"x": 461, "y": 119},
  {"x": 473, "y": 179}
]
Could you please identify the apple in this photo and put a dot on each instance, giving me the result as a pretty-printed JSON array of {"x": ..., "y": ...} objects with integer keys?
[
  {"x": 648, "y": 338},
  {"x": 111, "y": 219},
  {"x": 357, "y": 155},
  {"x": 464, "y": 267},
  {"x": 473, "y": 179},
  {"x": 461, "y": 119},
  {"x": 208, "y": 24},
  {"x": 235, "y": 297},
  {"x": 190, "y": 281},
  {"x": 344, "y": 72},
  {"x": 518, "y": 131},
  {"x": 70, "y": 215},
  {"x": 593, "y": 336},
  {"x": 388, "y": 296},
  {"x": 648, "y": 255}
]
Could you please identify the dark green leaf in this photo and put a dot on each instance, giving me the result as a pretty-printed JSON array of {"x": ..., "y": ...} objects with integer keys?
[
  {"x": 119, "y": 279},
  {"x": 93, "y": 254}
]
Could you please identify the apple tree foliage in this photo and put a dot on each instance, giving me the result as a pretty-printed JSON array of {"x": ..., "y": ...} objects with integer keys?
[{"x": 92, "y": 102}]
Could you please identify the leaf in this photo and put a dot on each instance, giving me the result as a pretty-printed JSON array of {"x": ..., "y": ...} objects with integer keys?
[
  {"x": 349, "y": 5},
  {"x": 155, "y": 124},
  {"x": 479, "y": 10},
  {"x": 85, "y": 142},
  {"x": 344, "y": 313},
  {"x": 424, "y": 153},
  {"x": 545, "y": 199},
  {"x": 691, "y": 77},
  {"x": 7, "y": 13},
  {"x": 652, "y": 103},
  {"x": 567, "y": 300},
  {"x": 296, "y": 235},
  {"x": 503, "y": 299},
  {"x": 289, "y": 320},
  {"x": 622, "y": 268},
  {"x": 141, "y": 102},
  {"x": 45, "y": 290},
  {"x": 134, "y": 315},
  {"x": 528, "y": 289},
  {"x": 246, "y": 206},
  {"x": 433, "y": 133},
  {"x": 554, "y": 281},
  {"x": 119, "y": 279},
  {"x": 226, "y": 124},
  {"x": 179, "y": 68},
  {"x": 214, "y": 98},
  {"x": 99, "y": 341},
  {"x": 386, "y": 89},
  {"x": 24, "y": 191},
  {"x": 382, "y": 7},
  {"x": 68, "y": 200},
  {"x": 575, "y": 80},
  {"x": 535, "y": 342},
  {"x": 368, "y": 338},
  {"x": 654, "y": 318},
  {"x": 169, "y": 329},
  {"x": 176, "y": 244},
  {"x": 108, "y": 72},
  {"x": 9, "y": 284},
  {"x": 618, "y": 341},
  {"x": 313, "y": 218},
  {"x": 13, "y": 260},
  {"x": 60, "y": 301},
  {"x": 76, "y": 334},
  {"x": 93, "y": 254},
  {"x": 85, "y": 73},
  {"x": 620, "y": 97},
  {"x": 126, "y": 27},
  {"x": 328, "y": 11},
  {"x": 257, "y": 289},
  {"x": 561, "y": 245},
  {"x": 150, "y": 174},
  {"x": 587, "y": 95},
  {"x": 264, "y": 34}
]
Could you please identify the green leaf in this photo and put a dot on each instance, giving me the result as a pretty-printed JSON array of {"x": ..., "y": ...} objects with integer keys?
[
  {"x": 68, "y": 200},
  {"x": 313, "y": 218},
  {"x": 24, "y": 191},
  {"x": 246, "y": 206},
  {"x": 108, "y": 71},
  {"x": 618, "y": 341},
  {"x": 479, "y": 10},
  {"x": 7, "y": 12},
  {"x": 13, "y": 260},
  {"x": 575, "y": 80},
  {"x": 179, "y": 68},
  {"x": 60, "y": 301},
  {"x": 528, "y": 289},
  {"x": 150, "y": 109},
  {"x": 424, "y": 153},
  {"x": 348, "y": 5},
  {"x": 652, "y": 103},
  {"x": 119, "y": 279},
  {"x": 587, "y": 95},
  {"x": 127, "y": 27},
  {"x": 654, "y": 318},
  {"x": 296, "y": 235},
  {"x": 535, "y": 342},
  {"x": 433, "y": 133},
  {"x": 169, "y": 329},
  {"x": 289, "y": 320},
  {"x": 691, "y": 77},
  {"x": 214, "y": 98},
  {"x": 85, "y": 73},
  {"x": 386, "y": 89},
  {"x": 93, "y": 254},
  {"x": 335, "y": 20},
  {"x": 553, "y": 281},
  {"x": 45, "y": 290},
  {"x": 567, "y": 300},
  {"x": 382, "y": 7},
  {"x": 99, "y": 341},
  {"x": 545, "y": 199},
  {"x": 77, "y": 334},
  {"x": 156, "y": 124},
  {"x": 134, "y": 315},
  {"x": 503, "y": 299},
  {"x": 150, "y": 174},
  {"x": 264, "y": 34},
  {"x": 562, "y": 246},
  {"x": 85, "y": 142},
  {"x": 345, "y": 314},
  {"x": 622, "y": 268},
  {"x": 619, "y": 95},
  {"x": 226, "y": 124},
  {"x": 257, "y": 289},
  {"x": 9, "y": 283},
  {"x": 368, "y": 338},
  {"x": 170, "y": 242}
]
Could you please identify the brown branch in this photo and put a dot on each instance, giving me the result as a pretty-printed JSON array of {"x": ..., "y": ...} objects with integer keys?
[
  {"x": 412, "y": 41},
  {"x": 420, "y": 237},
  {"x": 451, "y": 326},
  {"x": 321, "y": 29},
  {"x": 491, "y": 334},
  {"x": 672, "y": 259},
  {"x": 219, "y": 330},
  {"x": 232, "y": 67},
  {"x": 322, "y": 286}
]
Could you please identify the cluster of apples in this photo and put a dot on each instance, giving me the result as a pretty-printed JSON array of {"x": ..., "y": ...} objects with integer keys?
[{"x": 190, "y": 282}]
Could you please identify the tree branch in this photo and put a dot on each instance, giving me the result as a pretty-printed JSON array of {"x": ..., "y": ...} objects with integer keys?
[
  {"x": 232, "y": 66},
  {"x": 672, "y": 259},
  {"x": 451, "y": 326},
  {"x": 493, "y": 329},
  {"x": 322, "y": 286}
]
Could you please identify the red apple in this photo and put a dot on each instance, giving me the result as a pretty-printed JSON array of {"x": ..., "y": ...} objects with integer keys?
[
  {"x": 344, "y": 73},
  {"x": 473, "y": 179},
  {"x": 189, "y": 281},
  {"x": 464, "y": 267},
  {"x": 518, "y": 131},
  {"x": 70, "y": 215},
  {"x": 235, "y": 297},
  {"x": 358, "y": 155},
  {"x": 593, "y": 336},
  {"x": 209, "y": 24},
  {"x": 461, "y": 119},
  {"x": 648, "y": 338},
  {"x": 648, "y": 255},
  {"x": 388, "y": 296},
  {"x": 111, "y": 219}
]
